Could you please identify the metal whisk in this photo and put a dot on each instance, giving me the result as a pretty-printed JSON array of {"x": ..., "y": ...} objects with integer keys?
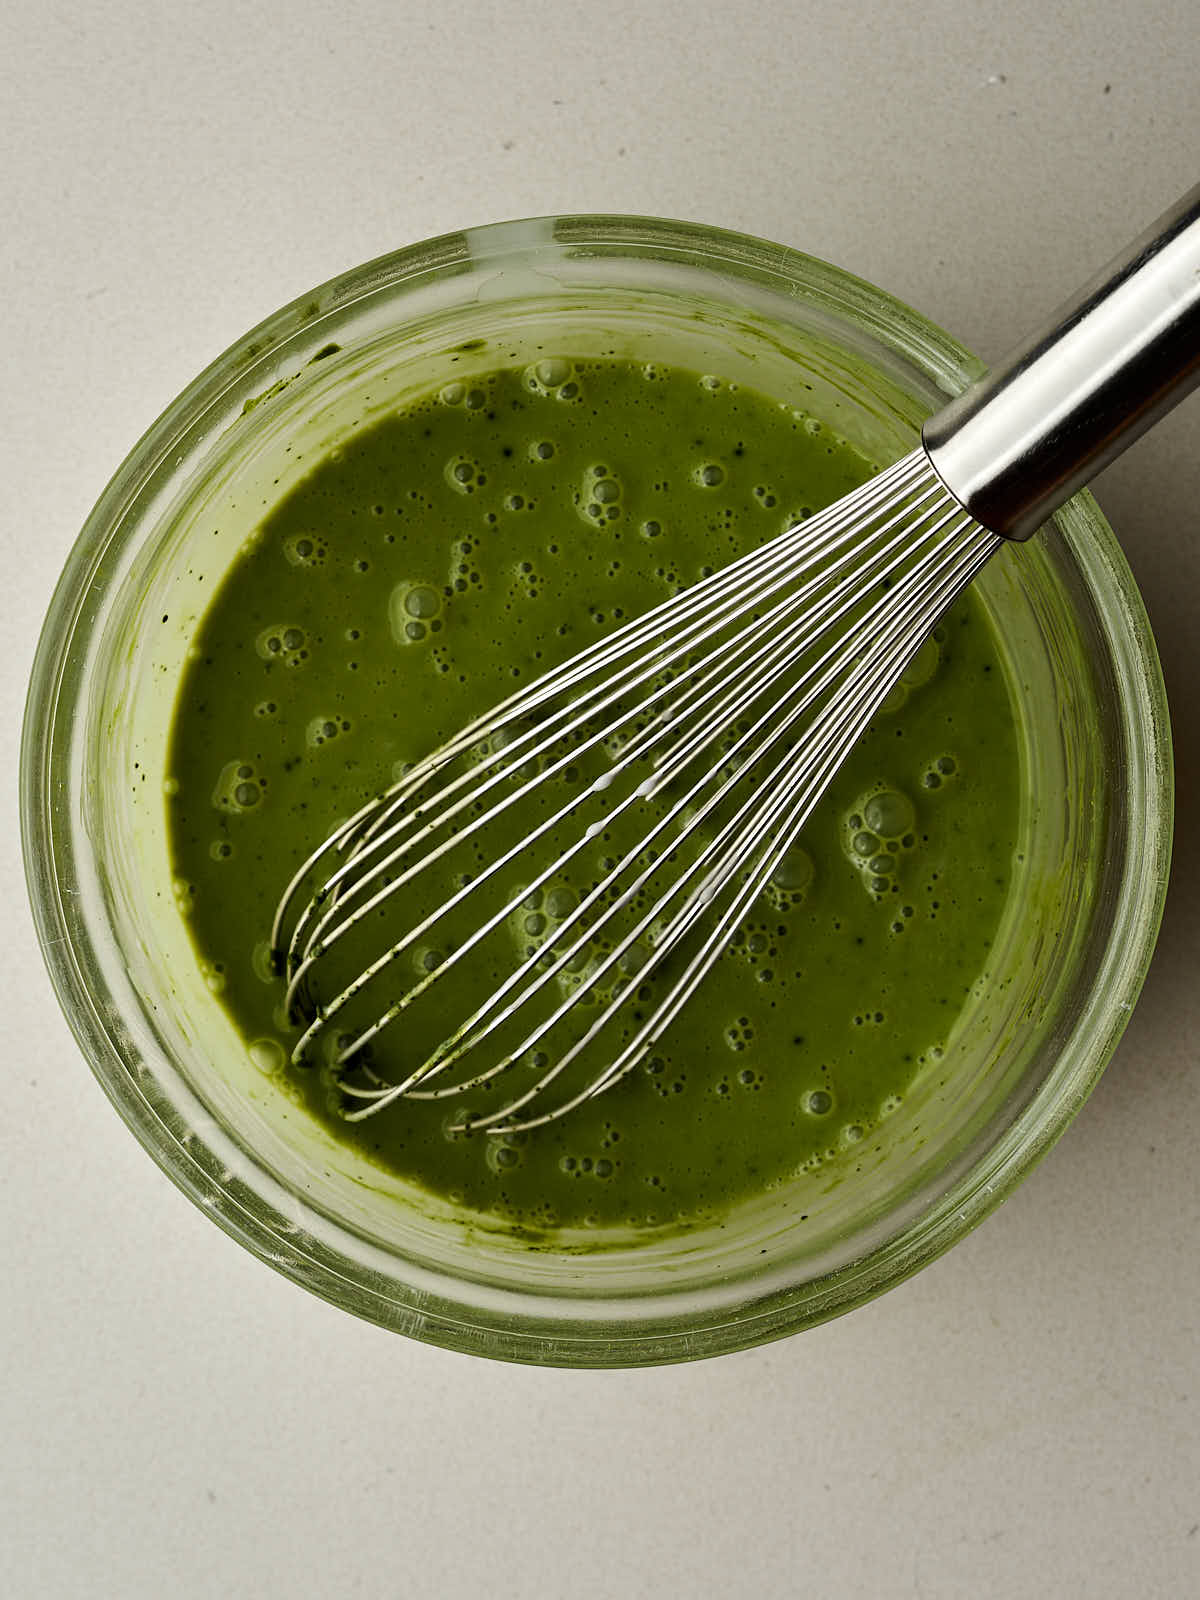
[{"x": 660, "y": 777}]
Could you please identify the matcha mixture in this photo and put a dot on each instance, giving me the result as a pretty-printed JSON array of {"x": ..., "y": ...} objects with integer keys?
[{"x": 447, "y": 554}]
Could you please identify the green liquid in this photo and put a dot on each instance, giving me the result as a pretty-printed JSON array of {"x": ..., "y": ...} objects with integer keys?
[{"x": 450, "y": 553}]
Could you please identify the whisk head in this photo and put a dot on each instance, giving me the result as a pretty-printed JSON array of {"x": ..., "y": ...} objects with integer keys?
[{"x": 576, "y": 860}]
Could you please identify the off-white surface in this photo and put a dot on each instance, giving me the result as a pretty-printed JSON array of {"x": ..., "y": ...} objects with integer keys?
[{"x": 1023, "y": 1418}]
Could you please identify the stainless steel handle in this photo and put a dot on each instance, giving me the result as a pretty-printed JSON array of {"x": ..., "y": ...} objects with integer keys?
[{"x": 1113, "y": 360}]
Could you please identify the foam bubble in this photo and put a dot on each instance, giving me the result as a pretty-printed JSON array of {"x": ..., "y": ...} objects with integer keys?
[
  {"x": 560, "y": 902},
  {"x": 263, "y": 962},
  {"x": 267, "y": 1055},
  {"x": 890, "y": 813},
  {"x": 923, "y": 665},
  {"x": 500, "y": 1157}
]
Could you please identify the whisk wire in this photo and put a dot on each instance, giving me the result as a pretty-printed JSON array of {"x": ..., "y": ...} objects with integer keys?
[{"x": 780, "y": 661}]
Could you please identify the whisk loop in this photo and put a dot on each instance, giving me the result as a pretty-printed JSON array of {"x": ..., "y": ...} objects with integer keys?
[{"x": 704, "y": 731}]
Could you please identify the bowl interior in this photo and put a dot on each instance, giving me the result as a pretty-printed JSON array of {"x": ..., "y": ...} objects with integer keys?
[{"x": 1029, "y": 1042}]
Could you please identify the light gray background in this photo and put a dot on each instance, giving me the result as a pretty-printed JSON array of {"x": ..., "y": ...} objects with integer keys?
[{"x": 1023, "y": 1418}]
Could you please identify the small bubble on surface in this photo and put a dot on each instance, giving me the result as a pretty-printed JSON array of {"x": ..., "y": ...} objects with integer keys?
[{"x": 267, "y": 1055}]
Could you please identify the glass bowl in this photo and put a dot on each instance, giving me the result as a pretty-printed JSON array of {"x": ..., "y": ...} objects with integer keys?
[{"x": 1067, "y": 963}]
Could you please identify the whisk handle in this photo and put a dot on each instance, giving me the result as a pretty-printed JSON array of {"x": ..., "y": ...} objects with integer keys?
[{"x": 1111, "y": 362}]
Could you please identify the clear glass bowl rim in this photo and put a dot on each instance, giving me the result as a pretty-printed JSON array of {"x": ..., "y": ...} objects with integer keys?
[{"x": 262, "y": 1227}]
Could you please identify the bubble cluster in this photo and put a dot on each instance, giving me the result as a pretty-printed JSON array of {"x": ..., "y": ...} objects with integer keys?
[
  {"x": 587, "y": 1166},
  {"x": 239, "y": 787},
  {"x": 414, "y": 611},
  {"x": 323, "y": 730},
  {"x": 600, "y": 495},
  {"x": 535, "y": 923},
  {"x": 938, "y": 771},
  {"x": 460, "y": 394},
  {"x": 305, "y": 550},
  {"x": 875, "y": 833},
  {"x": 283, "y": 642},
  {"x": 757, "y": 943},
  {"x": 464, "y": 474},
  {"x": 665, "y": 1079},
  {"x": 739, "y": 1035},
  {"x": 553, "y": 378}
]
